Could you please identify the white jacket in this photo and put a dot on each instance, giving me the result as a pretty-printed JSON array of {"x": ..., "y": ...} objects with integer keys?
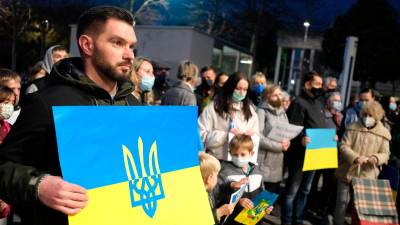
[{"x": 214, "y": 129}]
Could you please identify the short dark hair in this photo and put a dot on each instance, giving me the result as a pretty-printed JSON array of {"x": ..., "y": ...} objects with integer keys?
[
  {"x": 368, "y": 90},
  {"x": 206, "y": 68},
  {"x": 5, "y": 93},
  {"x": 98, "y": 15},
  {"x": 309, "y": 76}
]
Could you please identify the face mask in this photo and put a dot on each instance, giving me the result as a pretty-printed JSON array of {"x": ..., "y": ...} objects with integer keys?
[
  {"x": 238, "y": 97},
  {"x": 368, "y": 121},
  {"x": 6, "y": 110},
  {"x": 240, "y": 162},
  {"x": 393, "y": 106},
  {"x": 258, "y": 89},
  {"x": 316, "y": 92},
  {"x": 337, "y": 105},
  {"x": 275, "y": 103},
  {"x": 210, "y": 83},
  {"x": 330, "y": 90},
  {"x": 147, "y": 82},
  {"x": 360, "y": 105}
]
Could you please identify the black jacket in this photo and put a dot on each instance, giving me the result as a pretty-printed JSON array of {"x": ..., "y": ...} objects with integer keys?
[
  {"x": 308, "y": 112},
  {"x": 30, "y": 149}
]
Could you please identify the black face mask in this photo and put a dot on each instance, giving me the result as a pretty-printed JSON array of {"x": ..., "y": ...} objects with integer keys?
[
  {"x": 330, "y": 90},
  {"x": 317, "y": 92}
]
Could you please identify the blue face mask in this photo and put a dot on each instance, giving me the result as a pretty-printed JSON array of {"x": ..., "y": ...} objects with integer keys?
[
  {"x": 237, "y": 97},
  {"x": 337, "y": 105},
  {"x": 359, "y": 105},
  {"x": 258, "y": 89},
  {"x": 393, "y": 106},
  {"x": 147, "y": 82}
]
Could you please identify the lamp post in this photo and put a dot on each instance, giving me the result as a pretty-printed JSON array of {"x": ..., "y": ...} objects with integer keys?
[{"x": 306, "y": 26}]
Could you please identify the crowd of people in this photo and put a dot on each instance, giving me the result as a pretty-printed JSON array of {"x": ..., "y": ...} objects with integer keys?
[{"x": 235, "y": 117}]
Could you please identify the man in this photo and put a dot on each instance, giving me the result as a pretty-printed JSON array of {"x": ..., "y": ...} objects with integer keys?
[
  {"x": 12, "y": 80},
  {"x": 306, "y": 110},
  {"x": 352, "y": 114},
  {"x": 161, "y": 73},
  {"x": 29, "y": 167},
  {"x": 330, "y": 84},
  {"x": 204, "y": 91},
  {"x": 53, "y": 55}
]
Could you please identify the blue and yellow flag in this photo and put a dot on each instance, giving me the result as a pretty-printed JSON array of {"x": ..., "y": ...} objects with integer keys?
[
  {"x": 321, "y": 152},
  {"x": 139, "y": 164}
]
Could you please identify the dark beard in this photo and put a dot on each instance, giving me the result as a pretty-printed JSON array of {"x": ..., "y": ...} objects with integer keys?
[{"x": 108, "y": 71}]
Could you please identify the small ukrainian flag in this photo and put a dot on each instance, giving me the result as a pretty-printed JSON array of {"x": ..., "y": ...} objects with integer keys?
[{"x": 321, "y": 152}]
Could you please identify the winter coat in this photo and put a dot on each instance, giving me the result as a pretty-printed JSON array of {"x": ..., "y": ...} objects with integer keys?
[
  {"x": 270, "y": 155},
  {"x": 180, "y": 94},
  {"x": 360, "y": 141},
  {"x": 30, "y": 150},
  {"x": 214, "y": 129}
]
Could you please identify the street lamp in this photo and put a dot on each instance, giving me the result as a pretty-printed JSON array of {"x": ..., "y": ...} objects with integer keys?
[
  {"x": 306, "y": 25},
  {"x": 44, "y": 27}
]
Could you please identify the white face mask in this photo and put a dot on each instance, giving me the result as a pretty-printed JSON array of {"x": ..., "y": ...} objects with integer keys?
[
  {"x": 240, "y": 161},
  {"x": 6, "y": 110},
  {"x": 369, "y": 121}
]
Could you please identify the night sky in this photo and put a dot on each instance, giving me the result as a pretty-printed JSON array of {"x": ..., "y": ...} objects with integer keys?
[{"x": 291, "y": 13}]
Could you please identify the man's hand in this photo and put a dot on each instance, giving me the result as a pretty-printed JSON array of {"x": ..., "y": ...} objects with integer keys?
[
  {"x": 305, "y": 140},
  {"x": 62, "y": 196}
]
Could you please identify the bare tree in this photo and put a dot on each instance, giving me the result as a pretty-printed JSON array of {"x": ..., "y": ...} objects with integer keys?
[{"x": 14, "y": 17}]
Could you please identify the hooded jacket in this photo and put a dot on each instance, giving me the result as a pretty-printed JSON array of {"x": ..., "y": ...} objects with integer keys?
[
  {"x": 270, "y": 153},
  {"x": 30, "y": 149}
]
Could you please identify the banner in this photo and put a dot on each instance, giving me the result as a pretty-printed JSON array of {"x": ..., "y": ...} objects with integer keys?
[
  {"x": 321, "y": 152},
  {"x": 284, "y": 131},
  {"x": 139, "y": 164}
]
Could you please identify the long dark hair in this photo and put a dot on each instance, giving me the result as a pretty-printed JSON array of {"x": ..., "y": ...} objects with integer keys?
[{"x": 224, "y": 101}]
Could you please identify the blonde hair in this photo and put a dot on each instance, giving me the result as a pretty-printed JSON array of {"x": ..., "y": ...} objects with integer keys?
[
  {"x": 187, "y": 71},
  {"x": 269, "y": 90},
  {"x": 374, "y": 109},
  {"x": 137, "y": 63},
  {"x": 259, "y": 75},
  {"x": 148, "y": 97},
  {"x": 208, "y": 165},
  {"x": 241, "y": 141}
]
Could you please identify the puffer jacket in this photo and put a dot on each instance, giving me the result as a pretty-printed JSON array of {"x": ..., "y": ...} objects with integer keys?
[
  {"x": 360, "y": 141},
  {"x": 214, "y": 128},
  {"x": 270, "y": 155},
  {"x": 30, "y": 149}
]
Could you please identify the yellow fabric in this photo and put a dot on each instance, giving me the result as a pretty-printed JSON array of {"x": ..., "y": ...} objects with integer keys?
[{"x": 185, "y": 202}]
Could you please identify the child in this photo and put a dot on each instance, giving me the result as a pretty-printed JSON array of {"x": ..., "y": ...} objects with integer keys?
[
  {"x": 240, "y": 171},
  {"x": 210, "y": 167},
  {"x": 7, "y": 100}
]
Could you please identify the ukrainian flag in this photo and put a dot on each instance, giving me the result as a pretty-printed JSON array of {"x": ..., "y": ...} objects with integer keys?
[
  {"x": 321, "y": 152},
  {"x": 139, "y": 164}
]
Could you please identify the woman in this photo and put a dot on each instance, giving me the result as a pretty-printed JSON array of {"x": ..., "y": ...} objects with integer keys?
[
  {"x": 364, "y": 147},
  {"x": 219, "y": 83},
  {"x": 182, "y": 93},
  {"x": 258, "y": 84},
  {"x": 143, "y": 79},
  {"x": 230, "y": 112},
  {"x": 270, "y": 155}
]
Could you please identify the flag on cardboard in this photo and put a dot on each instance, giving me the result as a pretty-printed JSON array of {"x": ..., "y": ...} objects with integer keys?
[
  {"x": 321, "y": 152},
  {"x": 139, "y": 164}
]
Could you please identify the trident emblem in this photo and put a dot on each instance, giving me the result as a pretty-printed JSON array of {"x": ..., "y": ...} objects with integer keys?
[{"x": 145, "y": 189}]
